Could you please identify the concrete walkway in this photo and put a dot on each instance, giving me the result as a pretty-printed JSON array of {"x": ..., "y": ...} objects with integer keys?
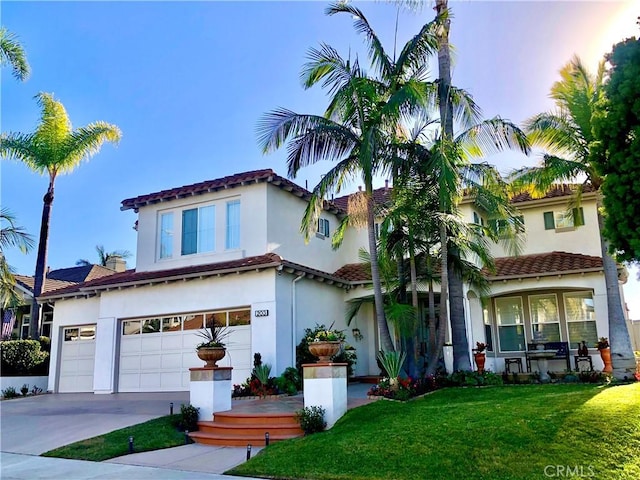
[{"x": 28, "y": 467}]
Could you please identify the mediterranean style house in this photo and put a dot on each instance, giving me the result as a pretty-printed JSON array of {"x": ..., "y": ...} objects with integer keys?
[{"x": 230, "y": 250}]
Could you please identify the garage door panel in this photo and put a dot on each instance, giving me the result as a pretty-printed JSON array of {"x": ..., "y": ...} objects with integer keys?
[
  {"x": 161, "y": 361},
  {"x": 77, "y": 359}
]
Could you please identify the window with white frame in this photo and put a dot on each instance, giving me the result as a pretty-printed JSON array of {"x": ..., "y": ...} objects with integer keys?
[
  {"x": 166, "y": 235},
  {"x": 510, "y": 321},
  {"x": 323, "y": 227},
  {"x": 195, "y": 321},
  {"x": 233, "y": 225},
  {"x": 24, "y": 327},
  {"x": 198, "y": 230},
  {"x": 47, "y": 322},
  {"x": 581, "y": 317},
  {"x": 562, "y": 220},
  {"x": 545, "y": 317}
]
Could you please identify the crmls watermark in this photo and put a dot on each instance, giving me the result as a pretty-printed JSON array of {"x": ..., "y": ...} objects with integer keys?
[{"x": 569, "y": 471}]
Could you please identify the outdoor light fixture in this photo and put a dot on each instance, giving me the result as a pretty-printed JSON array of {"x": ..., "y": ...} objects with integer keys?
[
  {"x": 266, "y": 439},
  {"x": 356, "y": 334},
  {"x": 130, "y": 444},
  {"x": 171, "y": 408},
  {"x": 248, "y": 451},
  {"x": 186, "y": 437}
]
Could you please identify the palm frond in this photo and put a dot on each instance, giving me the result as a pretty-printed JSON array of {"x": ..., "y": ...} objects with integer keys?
[
  {"x": 557, "y": 134},
  {"x": 13, "y": 235},
  {"x": 492, "y": 136},
  {"x": 85, "y": 142},
  {"x": 21, "y": 147},
  {"x": 12, "y": 53},
  {"x": 328, "y": 66}
]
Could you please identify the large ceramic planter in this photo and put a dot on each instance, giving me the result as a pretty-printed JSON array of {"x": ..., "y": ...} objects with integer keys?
[
  {"x": 211, "y": 355},
  {"x": 480, "y": 359},
  {"x": 605, "y": 353},
  {"x": 324, "y": 350}
]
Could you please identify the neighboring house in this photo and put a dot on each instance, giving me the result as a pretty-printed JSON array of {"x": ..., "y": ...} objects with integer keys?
[
  {"x": 230, "y": 249},
  {"x": 56, "y": 279}
]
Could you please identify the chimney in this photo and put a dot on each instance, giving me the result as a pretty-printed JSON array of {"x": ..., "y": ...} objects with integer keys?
[{"x": 116, "y": 263}]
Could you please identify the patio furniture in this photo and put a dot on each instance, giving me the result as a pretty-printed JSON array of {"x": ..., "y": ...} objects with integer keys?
[
  {"x": 561, "y": 352},
  {"x": 508, "y": 362},
  {"x": 579, "y": 359}
]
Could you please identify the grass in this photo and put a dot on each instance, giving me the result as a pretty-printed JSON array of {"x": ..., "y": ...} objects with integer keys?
[
  {"x": 510, "y": 432},
  {"x": 152, "y": 435}
]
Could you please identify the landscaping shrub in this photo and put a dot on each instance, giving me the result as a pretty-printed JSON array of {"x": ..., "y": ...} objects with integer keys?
[
  {"x": 404, "y": 388},
  {"x": 23, "y": 357},
  {"x": 188, "y": 419},
  {"x": 24, "y": 389},
  {"x": 311, "y": 419},
  {"x": 468, "y": 378},
  {"x": 289, "y": 382},
  {"x": 346, "y": 355},
  {"x": 9, "y": 392}
]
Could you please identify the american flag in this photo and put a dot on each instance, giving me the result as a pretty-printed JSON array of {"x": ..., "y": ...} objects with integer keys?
[{"x": 8, "y": 321}]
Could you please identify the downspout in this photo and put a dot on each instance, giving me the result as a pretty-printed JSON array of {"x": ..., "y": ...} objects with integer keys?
[{"x": 294, "y": 322}]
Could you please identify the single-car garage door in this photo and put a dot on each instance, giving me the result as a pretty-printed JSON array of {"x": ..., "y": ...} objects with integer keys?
[
  {"x": 156, "y": 353},
  {"x": 77, "y": 358}
]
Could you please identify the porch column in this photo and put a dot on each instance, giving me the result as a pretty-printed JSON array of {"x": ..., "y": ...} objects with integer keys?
[
  {"x": 210, "y": 390},
  {"x": 325, "y": 385}
]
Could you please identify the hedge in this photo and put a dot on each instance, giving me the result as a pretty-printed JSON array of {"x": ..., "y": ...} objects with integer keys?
[{"x": 23, "y": 357}]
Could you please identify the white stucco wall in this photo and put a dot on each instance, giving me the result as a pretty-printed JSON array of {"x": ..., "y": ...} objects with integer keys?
[{"x": 253, "y": 221}]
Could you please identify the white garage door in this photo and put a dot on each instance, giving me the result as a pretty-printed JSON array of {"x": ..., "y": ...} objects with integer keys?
[
  {"x": 77, "y": 358},
  {"x": 156, "y": 353}
]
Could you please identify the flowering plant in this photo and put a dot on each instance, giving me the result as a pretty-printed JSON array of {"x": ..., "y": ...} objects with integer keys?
[
  {"x": 480, "y": 347},
  {"x": 329, "y": 335},
  {"x": 602, "y": 343}
]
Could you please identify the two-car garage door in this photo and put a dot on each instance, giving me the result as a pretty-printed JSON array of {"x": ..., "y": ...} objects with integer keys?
[{"x": 156, "y": 353}]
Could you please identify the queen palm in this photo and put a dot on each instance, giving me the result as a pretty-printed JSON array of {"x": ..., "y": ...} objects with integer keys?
[
  {"x": 104, "y": 256},
  {"x": 357, "y": 126},
  {"x": 11, "y": 235},
  {"x": 571, "y": 155},
  {"x": 54, "y": 148},
  {"x": 12, "y": 54}
]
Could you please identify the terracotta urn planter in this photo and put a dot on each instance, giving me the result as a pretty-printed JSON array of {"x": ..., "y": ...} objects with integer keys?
[
  {"x": 211, "y": 355},
  {"x": 324, "y": 350},
  {"x": 605, "y": 354},
  {"x": 480, "y": 359}
]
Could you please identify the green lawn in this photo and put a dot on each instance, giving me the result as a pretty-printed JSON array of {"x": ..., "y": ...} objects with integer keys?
[
  {"x": 152, "y": 435},
  {"x": 510, "y": 432}
]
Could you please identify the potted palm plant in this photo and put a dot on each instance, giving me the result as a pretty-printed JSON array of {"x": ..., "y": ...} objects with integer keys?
[
  {"x": 605, "y": 354},
  {"x": 479, "y": 356},
  {"x": 213, "y": 347}
]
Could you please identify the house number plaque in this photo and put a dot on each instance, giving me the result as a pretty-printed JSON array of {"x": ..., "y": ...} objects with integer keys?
[{"x": 261, "y": 313}]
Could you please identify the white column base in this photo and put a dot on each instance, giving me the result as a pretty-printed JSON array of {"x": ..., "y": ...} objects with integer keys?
[
  {"x": 210, "y": 390},
  {"x": 325, "y": 385}
]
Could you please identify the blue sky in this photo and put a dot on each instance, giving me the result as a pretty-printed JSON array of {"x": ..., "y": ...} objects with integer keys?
[{"x": 187, "y": 82}]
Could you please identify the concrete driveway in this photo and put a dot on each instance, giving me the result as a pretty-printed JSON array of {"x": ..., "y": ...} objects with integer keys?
[{"x": 35, "y": 425}]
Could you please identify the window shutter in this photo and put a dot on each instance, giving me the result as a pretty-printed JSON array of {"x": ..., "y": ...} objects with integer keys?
[
  {"x": 549, "y": 224},
  {"x": 578, "y": 217}
]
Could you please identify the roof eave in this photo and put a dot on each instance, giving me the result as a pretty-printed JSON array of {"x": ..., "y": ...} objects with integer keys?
[{"x": 558, "y": 273}]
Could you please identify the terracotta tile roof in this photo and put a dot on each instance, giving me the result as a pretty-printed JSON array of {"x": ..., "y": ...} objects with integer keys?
[
  {"x": 65, "y": 277},
  {"x": 543, "y": 264},
  {"x": 354, "y": 272},
  {"x": 562, "y": 190},
  {"x": 381, "y": 196},
  {"x": 231, "y": 181},
  {"x": 132, "y": 277}
]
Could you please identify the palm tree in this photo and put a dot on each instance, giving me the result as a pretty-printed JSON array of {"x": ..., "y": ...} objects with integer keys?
[
  {"x": 12, "y": 53},
  {"x": 104, "y": 256},
  {"x": 357, "y": 127},
  {"x": 11, "y": 235},
  {"x": 54, "y": 148},
  {"x": 567, "y": 136}
]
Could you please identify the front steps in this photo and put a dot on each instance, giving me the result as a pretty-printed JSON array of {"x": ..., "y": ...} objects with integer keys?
[{"x": 239, "y": 429}]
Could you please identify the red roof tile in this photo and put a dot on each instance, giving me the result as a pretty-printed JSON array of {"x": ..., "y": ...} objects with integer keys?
[
  {"x": 231, "y": 181},
  {"x": 544, "y": 264},
  {"x": 354, "y": 272},
  {"x": 562, "y": 190},
  {"x": 65, "y": 277},
  {"x": 381, "y": 196}
]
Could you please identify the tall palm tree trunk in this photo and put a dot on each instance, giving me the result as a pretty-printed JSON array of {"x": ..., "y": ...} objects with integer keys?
[
  {"x": 461, "y": 360},
  {"x": 385, "y": 337},
  {"x": 622, "y": 357},
  {"x": 444, "y": 294},
  {"x": 41, "y": 263}
]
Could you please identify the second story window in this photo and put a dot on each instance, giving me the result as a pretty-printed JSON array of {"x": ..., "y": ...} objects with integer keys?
[
  {"x": 233, "y": 225},
  {"x": 563, "y": 219},
  {"x": 198, "y": 230},
  {"x": 323, "y": 227}
]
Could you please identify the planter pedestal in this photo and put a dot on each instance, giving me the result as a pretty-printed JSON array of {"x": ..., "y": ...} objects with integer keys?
[
  {"x": 325, "y": 385},
  {"x": 210, "y": 390}
]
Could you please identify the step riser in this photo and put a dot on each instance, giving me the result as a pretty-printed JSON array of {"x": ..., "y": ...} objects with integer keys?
[
  {"x": 285, "y": 419},
  {"x": 233, "y": 442},
  {"x": 251, "y": 430}
]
